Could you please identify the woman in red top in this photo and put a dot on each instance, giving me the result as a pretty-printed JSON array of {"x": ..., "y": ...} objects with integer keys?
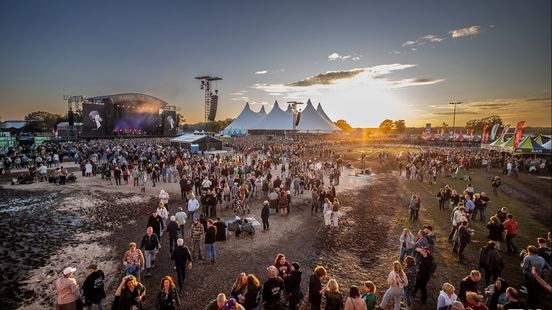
[{"x": 284, "y": 267}]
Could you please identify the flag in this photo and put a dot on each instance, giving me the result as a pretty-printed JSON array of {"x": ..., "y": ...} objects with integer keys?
[
  {"x": 504, "y": 131},
  {"x": 442, "y": 131},
  {"x": 484, "y": 133},
  {"x": 519, "y": 133},
  {"x": 471, "y": 134},
  {"x": 424, "y": 134},
  {"x": 494, "y": 130}
]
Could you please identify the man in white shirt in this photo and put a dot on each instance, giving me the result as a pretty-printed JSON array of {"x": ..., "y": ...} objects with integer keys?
[{"x": 193, "y": 205}]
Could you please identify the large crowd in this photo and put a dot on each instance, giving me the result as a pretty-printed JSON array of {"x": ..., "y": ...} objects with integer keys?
[{"x": 273, "y": 172}]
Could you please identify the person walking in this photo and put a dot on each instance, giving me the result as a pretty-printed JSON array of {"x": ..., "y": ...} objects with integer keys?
[
  {"x": 181, "y": 218},
  {"x": 167, "y": 298},
  {"x": 93, "y": 288},
  {"x": 173, "y": 229},
  {"x": 68, "y": 296},
  {"x": 150, "y": 245},
  {"x": 193, "y": 206},
  {"x": 397, "y": 281},
  {"x": 182, "y": 260},
  {"x": 131, "y": 294},
  {"x": 196, "y": 233},
  {"x": 133, "y": 261}
]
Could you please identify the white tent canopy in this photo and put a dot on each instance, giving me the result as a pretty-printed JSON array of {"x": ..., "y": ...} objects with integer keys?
[{"x": 311, "y": 120}]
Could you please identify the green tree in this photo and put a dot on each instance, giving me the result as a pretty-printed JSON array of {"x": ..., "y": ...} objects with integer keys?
[
  {"x": 444, "y": 125},
  {"x": 386, "y": 126},
  {"x": 399, "y": 126},
  {"x": 477, "y": 124},
  {"x": 50, "y": 120},
  {"x": 343, "y": 125}
]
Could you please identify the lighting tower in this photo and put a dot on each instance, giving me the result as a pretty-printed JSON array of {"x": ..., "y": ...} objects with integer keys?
[
  {"x": 454, "y": 118},
  {"x": 296, "y": 113},
  {"x": 211, "y": 100}
]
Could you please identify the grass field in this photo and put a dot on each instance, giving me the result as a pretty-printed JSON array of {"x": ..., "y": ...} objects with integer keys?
[{"x": 530, "y": 226}]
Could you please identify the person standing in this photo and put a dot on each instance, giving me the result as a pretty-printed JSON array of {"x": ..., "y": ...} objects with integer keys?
[
  {"x": 469, "y": 284},
  {"x": 464, "y": 238},
  {"x": 150, "y": 245},
  {"x": 210, "y": 239},
  {"x": 491, "y": 262},
  {"x": 511, "y": 228},
  {"x": 495, "y": 231},
  {"x": 68, "y": 296},
  {"x": 532, "y": 259},
  {"x": 265, "y": 214},
  {"x": 315, "y": 287},
  {"x": 93, "y": 288},
  {"x": 407, "y": 244},
  {"x": 196, "y": 233},
  {"x": 193, "y": 205},
  {"x": 426, "y": 268},
  {"x": 335, "y": 212},
  {"x": 293, "y": 286},
  {"x": 327, "y": 212},
  {"x": 182, "y": 260},
  {"x": 334, "y": 299},
  {"x": 272, "y": 289},
  {"x": 397, "y": 281},
  {"x": 63, "y": 175},
  {"x": 117, "y": 172},
  {"x": 354, "y": 301},
  {"x": 446, "y": 297}
]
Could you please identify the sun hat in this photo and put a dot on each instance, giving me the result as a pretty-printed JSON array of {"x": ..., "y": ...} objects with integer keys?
[{"x": 69, "y": 270}]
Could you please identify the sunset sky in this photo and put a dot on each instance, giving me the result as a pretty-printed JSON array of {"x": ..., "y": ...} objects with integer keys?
[{"x": 364, "y": 61}]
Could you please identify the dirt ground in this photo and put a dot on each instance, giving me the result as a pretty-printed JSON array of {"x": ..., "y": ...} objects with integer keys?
[{"x": 48, "y": 227}]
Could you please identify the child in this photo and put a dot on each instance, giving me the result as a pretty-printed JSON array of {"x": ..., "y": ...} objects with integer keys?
[{"x": 369, "y": 295}]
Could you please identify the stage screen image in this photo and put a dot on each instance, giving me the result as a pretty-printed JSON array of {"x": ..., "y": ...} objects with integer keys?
[
  {"x": 136, "y": 121},
  {"x": 94, "y": 120},
  {"x": 170, "y": 123}
]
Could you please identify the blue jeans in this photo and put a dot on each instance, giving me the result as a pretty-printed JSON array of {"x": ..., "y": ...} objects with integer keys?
[
  {"x": 395, "y": 294},
  {"x": 404, "y": 252},
  {"x": 210, "y": 251},
  {"x": 100, "y": 305},
  {"x": 408, "y": 296}
]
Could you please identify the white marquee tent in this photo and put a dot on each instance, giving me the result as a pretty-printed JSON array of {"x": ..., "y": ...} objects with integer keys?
[{"x": 311, "y": 120}]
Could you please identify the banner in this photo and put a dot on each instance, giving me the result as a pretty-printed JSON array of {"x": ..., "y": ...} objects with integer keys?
[
  {"x": 93, "y": 119},
  {"x": 484, "y": 133},
  {"x": 504, "y": 131},
  {"x": 519, "y": 133},
  {"x": 170, "y": 123},
  {"x": 494, "y": 131}
]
